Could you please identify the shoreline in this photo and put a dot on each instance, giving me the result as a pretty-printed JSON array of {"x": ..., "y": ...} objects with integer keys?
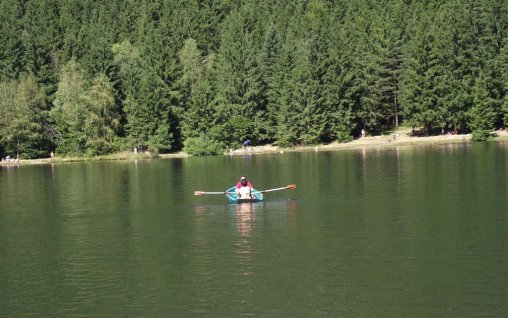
[{"x": 400, "y": 138}]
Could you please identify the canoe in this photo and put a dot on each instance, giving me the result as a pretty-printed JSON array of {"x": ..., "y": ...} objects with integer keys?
[{"x": 233, "y": 197}]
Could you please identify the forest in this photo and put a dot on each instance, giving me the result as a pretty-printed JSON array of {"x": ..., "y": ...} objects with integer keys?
[{"x": 93, "y": 77}]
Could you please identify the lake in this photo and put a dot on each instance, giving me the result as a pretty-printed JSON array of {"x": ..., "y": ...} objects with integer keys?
[{"x": 399, "y": 232}]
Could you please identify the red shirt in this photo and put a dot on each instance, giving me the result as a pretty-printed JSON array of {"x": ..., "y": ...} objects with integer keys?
[{"x": 239, "y": 185}]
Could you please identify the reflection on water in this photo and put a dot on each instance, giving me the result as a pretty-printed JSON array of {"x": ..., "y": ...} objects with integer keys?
[
  {"x": 246, "y": 269},
  {"x": 245, "y": 219}
]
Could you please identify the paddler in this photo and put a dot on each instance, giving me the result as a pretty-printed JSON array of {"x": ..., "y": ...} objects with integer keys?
[{"x": 244, "y": 188}]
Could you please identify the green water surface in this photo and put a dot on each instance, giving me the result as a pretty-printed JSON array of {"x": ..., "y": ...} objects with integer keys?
[{"x": 399, "y": 232}]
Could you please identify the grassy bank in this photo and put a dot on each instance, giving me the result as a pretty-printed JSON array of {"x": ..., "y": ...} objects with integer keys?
[{"x": 65, "y": 159}]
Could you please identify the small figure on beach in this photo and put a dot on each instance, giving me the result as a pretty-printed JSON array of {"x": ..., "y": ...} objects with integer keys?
[
  {"x": 52, "y": 154},
  {"x": 363, "y": 133},
  {"x": 246, "y": 143},
  {"x": 10, "y": 159}
]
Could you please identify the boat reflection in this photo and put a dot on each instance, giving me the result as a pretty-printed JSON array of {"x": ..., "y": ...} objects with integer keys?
[
  {"x": 245, "y": 219},
  {"x": 243, "y": 216},
  {"x": 245, "y": 251}
]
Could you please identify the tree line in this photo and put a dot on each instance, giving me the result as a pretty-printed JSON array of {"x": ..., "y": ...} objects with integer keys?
[{"x": 92, "y": 77}]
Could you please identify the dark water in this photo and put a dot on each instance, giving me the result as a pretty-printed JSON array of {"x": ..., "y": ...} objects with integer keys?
[{"x": 407, "y": 232}]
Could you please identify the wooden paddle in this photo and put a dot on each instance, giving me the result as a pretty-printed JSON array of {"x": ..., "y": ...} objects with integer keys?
[
  {"x": 289, "y": 187},
  {"x": 204, "y": 192}
]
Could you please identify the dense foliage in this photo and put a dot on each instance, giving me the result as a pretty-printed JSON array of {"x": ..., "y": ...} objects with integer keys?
[{"x": 91, "y": 77}]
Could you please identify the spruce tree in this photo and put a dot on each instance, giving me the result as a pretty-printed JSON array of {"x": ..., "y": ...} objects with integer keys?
[
  {"x": 482, "y": 114},
  {"x": 503, "y": 68},
  {"x": 239, "y": 88},
  {"x": 421, "y": 75},
  {"x": 339, "y": 77}
]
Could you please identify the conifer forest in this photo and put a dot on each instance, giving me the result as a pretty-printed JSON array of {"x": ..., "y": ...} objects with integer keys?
[{"x": 91, "y": 77}]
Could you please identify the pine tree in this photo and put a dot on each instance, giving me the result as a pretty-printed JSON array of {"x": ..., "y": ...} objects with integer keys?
[
  {"x": 421, "y": 74},
  {"x": 127, "y": 59},
  {"x": 200, "y": 116},
  {"x": 268, "y": 60},
  {"x": 280, "y": 109},
  {"x": 482, "y": 114},
  {"x": 339, "y": 102},
  {"x": 12, "y": 49},
  {"x": 239, "y": 91},
  {"x": 503, "y": 63},
  {"x": 199, "y": 91},
  {"x": 159, "y": 48},
  {"x": 391, "y": 41}
]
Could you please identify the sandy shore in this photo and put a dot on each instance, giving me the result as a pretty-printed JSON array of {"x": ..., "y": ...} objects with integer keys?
[{"x": 401, "y": 138}]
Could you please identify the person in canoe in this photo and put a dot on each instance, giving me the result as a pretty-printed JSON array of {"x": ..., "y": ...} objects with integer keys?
[{"x": 244, "y": 188}]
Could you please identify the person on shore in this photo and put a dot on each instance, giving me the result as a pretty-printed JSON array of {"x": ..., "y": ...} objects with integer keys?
[
  {"x": 244, "y": 188},
  {"x": 245, "y": 144}
]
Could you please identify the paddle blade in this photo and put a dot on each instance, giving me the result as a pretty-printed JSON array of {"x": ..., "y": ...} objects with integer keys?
[
  {"x": 199, "y": 192},
  {"x": 291, "y": 186}
]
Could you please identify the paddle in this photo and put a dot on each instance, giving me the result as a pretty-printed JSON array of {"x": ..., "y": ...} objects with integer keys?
[
  {"x": 289, "y": 187},
  {"x": 204, "y": 192}
]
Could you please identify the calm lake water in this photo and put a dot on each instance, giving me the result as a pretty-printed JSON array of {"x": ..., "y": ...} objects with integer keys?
[{"x": 401, "y": 232}]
